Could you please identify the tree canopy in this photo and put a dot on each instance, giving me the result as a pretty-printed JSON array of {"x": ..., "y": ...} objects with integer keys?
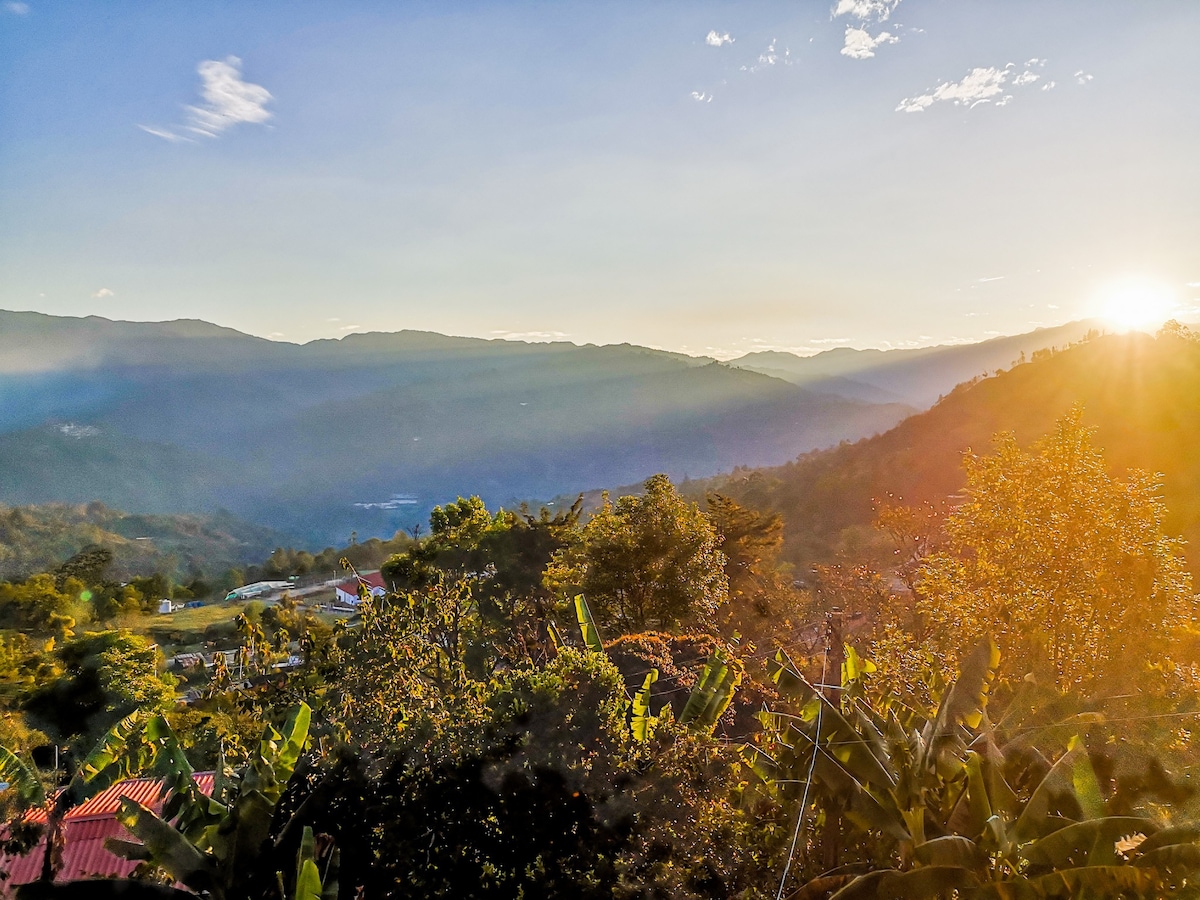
[
  {"x": 645, "y": 562},
  {"x": 1069, "y": 568}
]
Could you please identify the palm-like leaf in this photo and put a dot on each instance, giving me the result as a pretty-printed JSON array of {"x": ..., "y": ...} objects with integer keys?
[{"x": 21, "y": 778}]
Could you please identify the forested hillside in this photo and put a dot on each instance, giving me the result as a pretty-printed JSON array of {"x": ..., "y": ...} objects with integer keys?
[
  {"x": 185, "y": 416},
  {"x": 40, "y": 538},
  {"x": 1137, "y": 391}
]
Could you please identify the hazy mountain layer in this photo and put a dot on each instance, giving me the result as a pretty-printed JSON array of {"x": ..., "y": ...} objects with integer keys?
[
  {"x": 186, "y": 416},
  {"x": 917, "y": 377}
]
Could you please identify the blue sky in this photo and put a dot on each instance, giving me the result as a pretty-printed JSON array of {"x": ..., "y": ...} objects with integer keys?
[{"x": 707, "y": 177}]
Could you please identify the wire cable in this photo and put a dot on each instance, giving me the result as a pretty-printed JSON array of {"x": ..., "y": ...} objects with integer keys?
[{"x": 807, "y": 784}]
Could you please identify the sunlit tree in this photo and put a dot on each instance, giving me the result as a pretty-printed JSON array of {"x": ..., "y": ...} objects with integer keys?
[{"x": 1066, "y": 566}]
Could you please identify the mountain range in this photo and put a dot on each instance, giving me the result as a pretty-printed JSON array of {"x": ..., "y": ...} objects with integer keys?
[{"x": 368, "y": 432}]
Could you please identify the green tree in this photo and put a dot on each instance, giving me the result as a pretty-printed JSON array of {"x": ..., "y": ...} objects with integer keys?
[
  {"x": 105, "y": 676},
  {"x": 652, "y": 561},
  {"x": 1067, "y": 567}
]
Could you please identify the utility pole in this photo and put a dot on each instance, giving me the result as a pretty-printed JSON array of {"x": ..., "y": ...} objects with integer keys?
[{"x": 831, "y": 688}]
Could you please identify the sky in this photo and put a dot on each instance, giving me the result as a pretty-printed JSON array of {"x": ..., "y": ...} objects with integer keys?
[{"x": 713, "y": 178}]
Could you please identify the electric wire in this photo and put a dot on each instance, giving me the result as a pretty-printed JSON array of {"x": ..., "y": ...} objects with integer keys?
[{"x": 787, "y": 868}]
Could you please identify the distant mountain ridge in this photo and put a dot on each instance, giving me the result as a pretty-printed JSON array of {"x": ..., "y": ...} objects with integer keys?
[
  {"x": 367, "y": 432},
  {"x": 914, "y": 376}
]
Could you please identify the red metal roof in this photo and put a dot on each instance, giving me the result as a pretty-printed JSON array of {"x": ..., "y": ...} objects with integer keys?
[
  {"x": 374, "y": 582},
  {"x": 85, "y": 829}
]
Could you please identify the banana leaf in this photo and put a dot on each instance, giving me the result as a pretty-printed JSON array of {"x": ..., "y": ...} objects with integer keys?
[
  {"x": 165, "y": 846},
  {"x": 587, "y": 625},
  {"x": 951, "y": 850},
  {"x": 639, "y": 709},
  {"x": 21, "y": 778},
  {"x": 916, "y": 884},
  {"x": 1071, "y": 846},
  {"x": 308, "y": 876}
]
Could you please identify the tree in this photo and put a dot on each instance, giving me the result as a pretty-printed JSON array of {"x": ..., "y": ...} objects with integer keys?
[
  {"x": 1067, "y": 567},
  {"x": 652, "y": 561},
  {"x": 106, "y": 676}
]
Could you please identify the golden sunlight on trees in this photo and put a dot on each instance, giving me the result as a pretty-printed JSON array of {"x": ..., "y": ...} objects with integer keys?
[
  {"x": 646, "y": 562},
  {"x": 1066, "y": 567}
]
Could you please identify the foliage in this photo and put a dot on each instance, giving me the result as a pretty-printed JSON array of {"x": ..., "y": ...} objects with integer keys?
[
  {"x": 959, "y": 809},
  {"x": 1069, "y": 568},
  {"x": 213, "y": 844},
  {"x": 104, "y": 677},
  {"x": 645, "y": 562},
  {"x": 40, "y": 606}
]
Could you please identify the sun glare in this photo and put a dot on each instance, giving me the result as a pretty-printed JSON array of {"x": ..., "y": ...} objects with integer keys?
[{"x": 1136, "y": 304}]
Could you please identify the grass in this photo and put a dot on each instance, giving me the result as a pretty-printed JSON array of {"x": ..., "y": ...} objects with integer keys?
[{"x": 184, "y": 629}]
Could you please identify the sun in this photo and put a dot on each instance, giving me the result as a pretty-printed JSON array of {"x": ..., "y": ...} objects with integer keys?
[{"x": 1136, "y": 304}]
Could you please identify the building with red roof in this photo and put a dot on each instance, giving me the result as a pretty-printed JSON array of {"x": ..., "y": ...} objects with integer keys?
[
  {"x": 85, "y": 829},
  {"x": 347, "y": 591}
]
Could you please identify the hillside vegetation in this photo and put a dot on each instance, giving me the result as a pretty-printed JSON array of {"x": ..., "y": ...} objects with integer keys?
[
  {"x": 1138, "y": 392},
  {"x": 40, "y": 538}
]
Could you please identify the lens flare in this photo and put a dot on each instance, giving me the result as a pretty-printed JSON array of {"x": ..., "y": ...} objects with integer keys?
[{"x": 1136, "y": 304}]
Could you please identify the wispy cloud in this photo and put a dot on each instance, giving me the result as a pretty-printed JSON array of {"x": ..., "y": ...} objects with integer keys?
[
  {"x": 861, "y": 45},
  {"x": 102, "y": 293},
  {"x": 866, "y": 10},
  {"x": 770, "y": 57},
  {"x": 15, "y": 8},
  {"x": 990, "y": 278},
  {"x": 227, "y": 100},
  {"x": 1082, "y": 77},
  {"x": 164, "y": 133},
  {"x": 980, "y": 85},
  {"x": 715, "y": 39},
  {"x": 702, "y": 96},
  {"x": 349, "y": 327},
  {"x": 530, "y": 335}
]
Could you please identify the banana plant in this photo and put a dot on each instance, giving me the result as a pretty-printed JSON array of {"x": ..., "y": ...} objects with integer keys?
[
  {"x": 206, "y": 842},
  {"x": 118, "y": 754},
  {"x": 708, "y": 700},
  {"x": 940, "y": 790}
]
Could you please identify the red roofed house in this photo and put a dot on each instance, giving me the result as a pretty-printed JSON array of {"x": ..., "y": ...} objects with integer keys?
[
  {"x": 347, "y": 591},
  {"x": 85, "y": 829}
]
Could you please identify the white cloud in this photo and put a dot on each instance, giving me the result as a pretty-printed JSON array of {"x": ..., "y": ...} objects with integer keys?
[
  {"x": 1082, "y": 77},
  {"x": 1193, "y": 284},
  {"x": 718, "y": 40},
  {"x": 980, "y": 85},
  {"x": 102, "y": 293},
  {"x": 702, "y": 96},
  {"x": 349, "y": 327},
  {"x": 16, "y": 8},
  {"x": 228, "y": 100},
  {"x": 165, "y": 133},
  {"x": 1049, "y": 85},
  {"x": 530, "y": 335},
  {"x": 866, "y": 10},
  {"x": 991, "y": 278},
  {"x": 860, "y": 45}
]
